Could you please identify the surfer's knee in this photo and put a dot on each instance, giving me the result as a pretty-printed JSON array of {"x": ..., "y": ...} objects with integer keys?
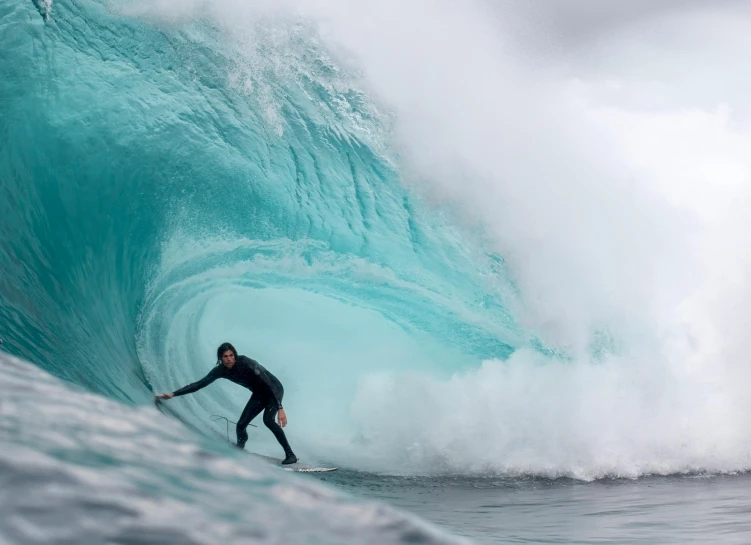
[{"x": 268, "y": 419}]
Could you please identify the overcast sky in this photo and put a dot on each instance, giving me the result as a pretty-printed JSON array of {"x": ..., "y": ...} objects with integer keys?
[{"x": 573, "y": 20}]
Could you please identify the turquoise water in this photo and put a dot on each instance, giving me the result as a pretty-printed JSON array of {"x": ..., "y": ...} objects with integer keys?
[
  {"x": 147, "y": 187},
  {"x": 169, "y": 184}
]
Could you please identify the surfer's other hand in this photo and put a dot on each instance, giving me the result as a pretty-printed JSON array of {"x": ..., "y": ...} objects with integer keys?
[
  {"x": 282, "y": 418},
  {"x": 164, "y": 396}
]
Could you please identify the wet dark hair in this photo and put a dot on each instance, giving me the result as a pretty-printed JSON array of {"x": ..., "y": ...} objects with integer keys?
[{"x": 223, "y": 348}]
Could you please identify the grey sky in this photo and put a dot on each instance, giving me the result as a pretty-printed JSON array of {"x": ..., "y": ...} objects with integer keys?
[{"x": 574, "y": 19}]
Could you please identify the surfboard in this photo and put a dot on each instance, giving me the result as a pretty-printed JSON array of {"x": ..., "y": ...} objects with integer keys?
[
  {"x": 309, "y": 469},
  {"x": 297, "y": 467}
]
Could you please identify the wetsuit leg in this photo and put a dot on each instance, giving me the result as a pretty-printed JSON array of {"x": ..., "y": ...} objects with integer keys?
[
  {"x": 269, "y": 415},
  {"x": 252, "y": 409}
]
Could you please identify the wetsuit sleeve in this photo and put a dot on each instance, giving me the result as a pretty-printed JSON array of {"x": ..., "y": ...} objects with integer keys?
[
  {"x": 214, "y": 374},
  {"x": 272, "y": 385}
]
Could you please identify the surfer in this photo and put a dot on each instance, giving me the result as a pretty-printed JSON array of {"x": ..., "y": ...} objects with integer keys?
[{"x": 267, "y": 393}]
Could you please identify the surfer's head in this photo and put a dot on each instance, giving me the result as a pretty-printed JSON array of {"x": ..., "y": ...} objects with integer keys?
[{"x": 226, "y": 354}]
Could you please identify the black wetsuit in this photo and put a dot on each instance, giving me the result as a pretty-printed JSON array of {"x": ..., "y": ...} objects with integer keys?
[{"x": 267, "y": 394}]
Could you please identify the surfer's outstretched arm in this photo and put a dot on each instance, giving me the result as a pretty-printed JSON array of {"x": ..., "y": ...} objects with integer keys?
[{"x": 214, "y": 374}]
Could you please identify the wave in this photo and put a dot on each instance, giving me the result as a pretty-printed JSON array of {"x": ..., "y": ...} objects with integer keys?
[{"x": 454, "y": 259}]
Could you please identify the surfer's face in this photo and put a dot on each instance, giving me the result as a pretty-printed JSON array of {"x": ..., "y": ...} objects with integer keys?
[{"x": 228, "y": 358}]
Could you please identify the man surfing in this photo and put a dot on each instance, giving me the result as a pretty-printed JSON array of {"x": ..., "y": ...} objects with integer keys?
[{"x": 267, "y": 393}]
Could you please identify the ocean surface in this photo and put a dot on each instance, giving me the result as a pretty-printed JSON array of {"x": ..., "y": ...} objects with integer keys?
[
  {"x": 499, "y": 266},
  {"x": 680, "y": 509}
]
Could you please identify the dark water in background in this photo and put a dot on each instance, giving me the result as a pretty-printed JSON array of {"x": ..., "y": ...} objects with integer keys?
[{"x": 681, "y": 509}]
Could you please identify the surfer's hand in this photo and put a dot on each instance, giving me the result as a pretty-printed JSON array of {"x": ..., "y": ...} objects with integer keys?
[
  {"x": 164, "y": 396},
  {"x": 282, "y": 418}
]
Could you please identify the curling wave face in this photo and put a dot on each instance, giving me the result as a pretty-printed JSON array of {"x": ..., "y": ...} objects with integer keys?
[
  {"x": 283, "y": 177},
  {"x": 211, "y": 198}
]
